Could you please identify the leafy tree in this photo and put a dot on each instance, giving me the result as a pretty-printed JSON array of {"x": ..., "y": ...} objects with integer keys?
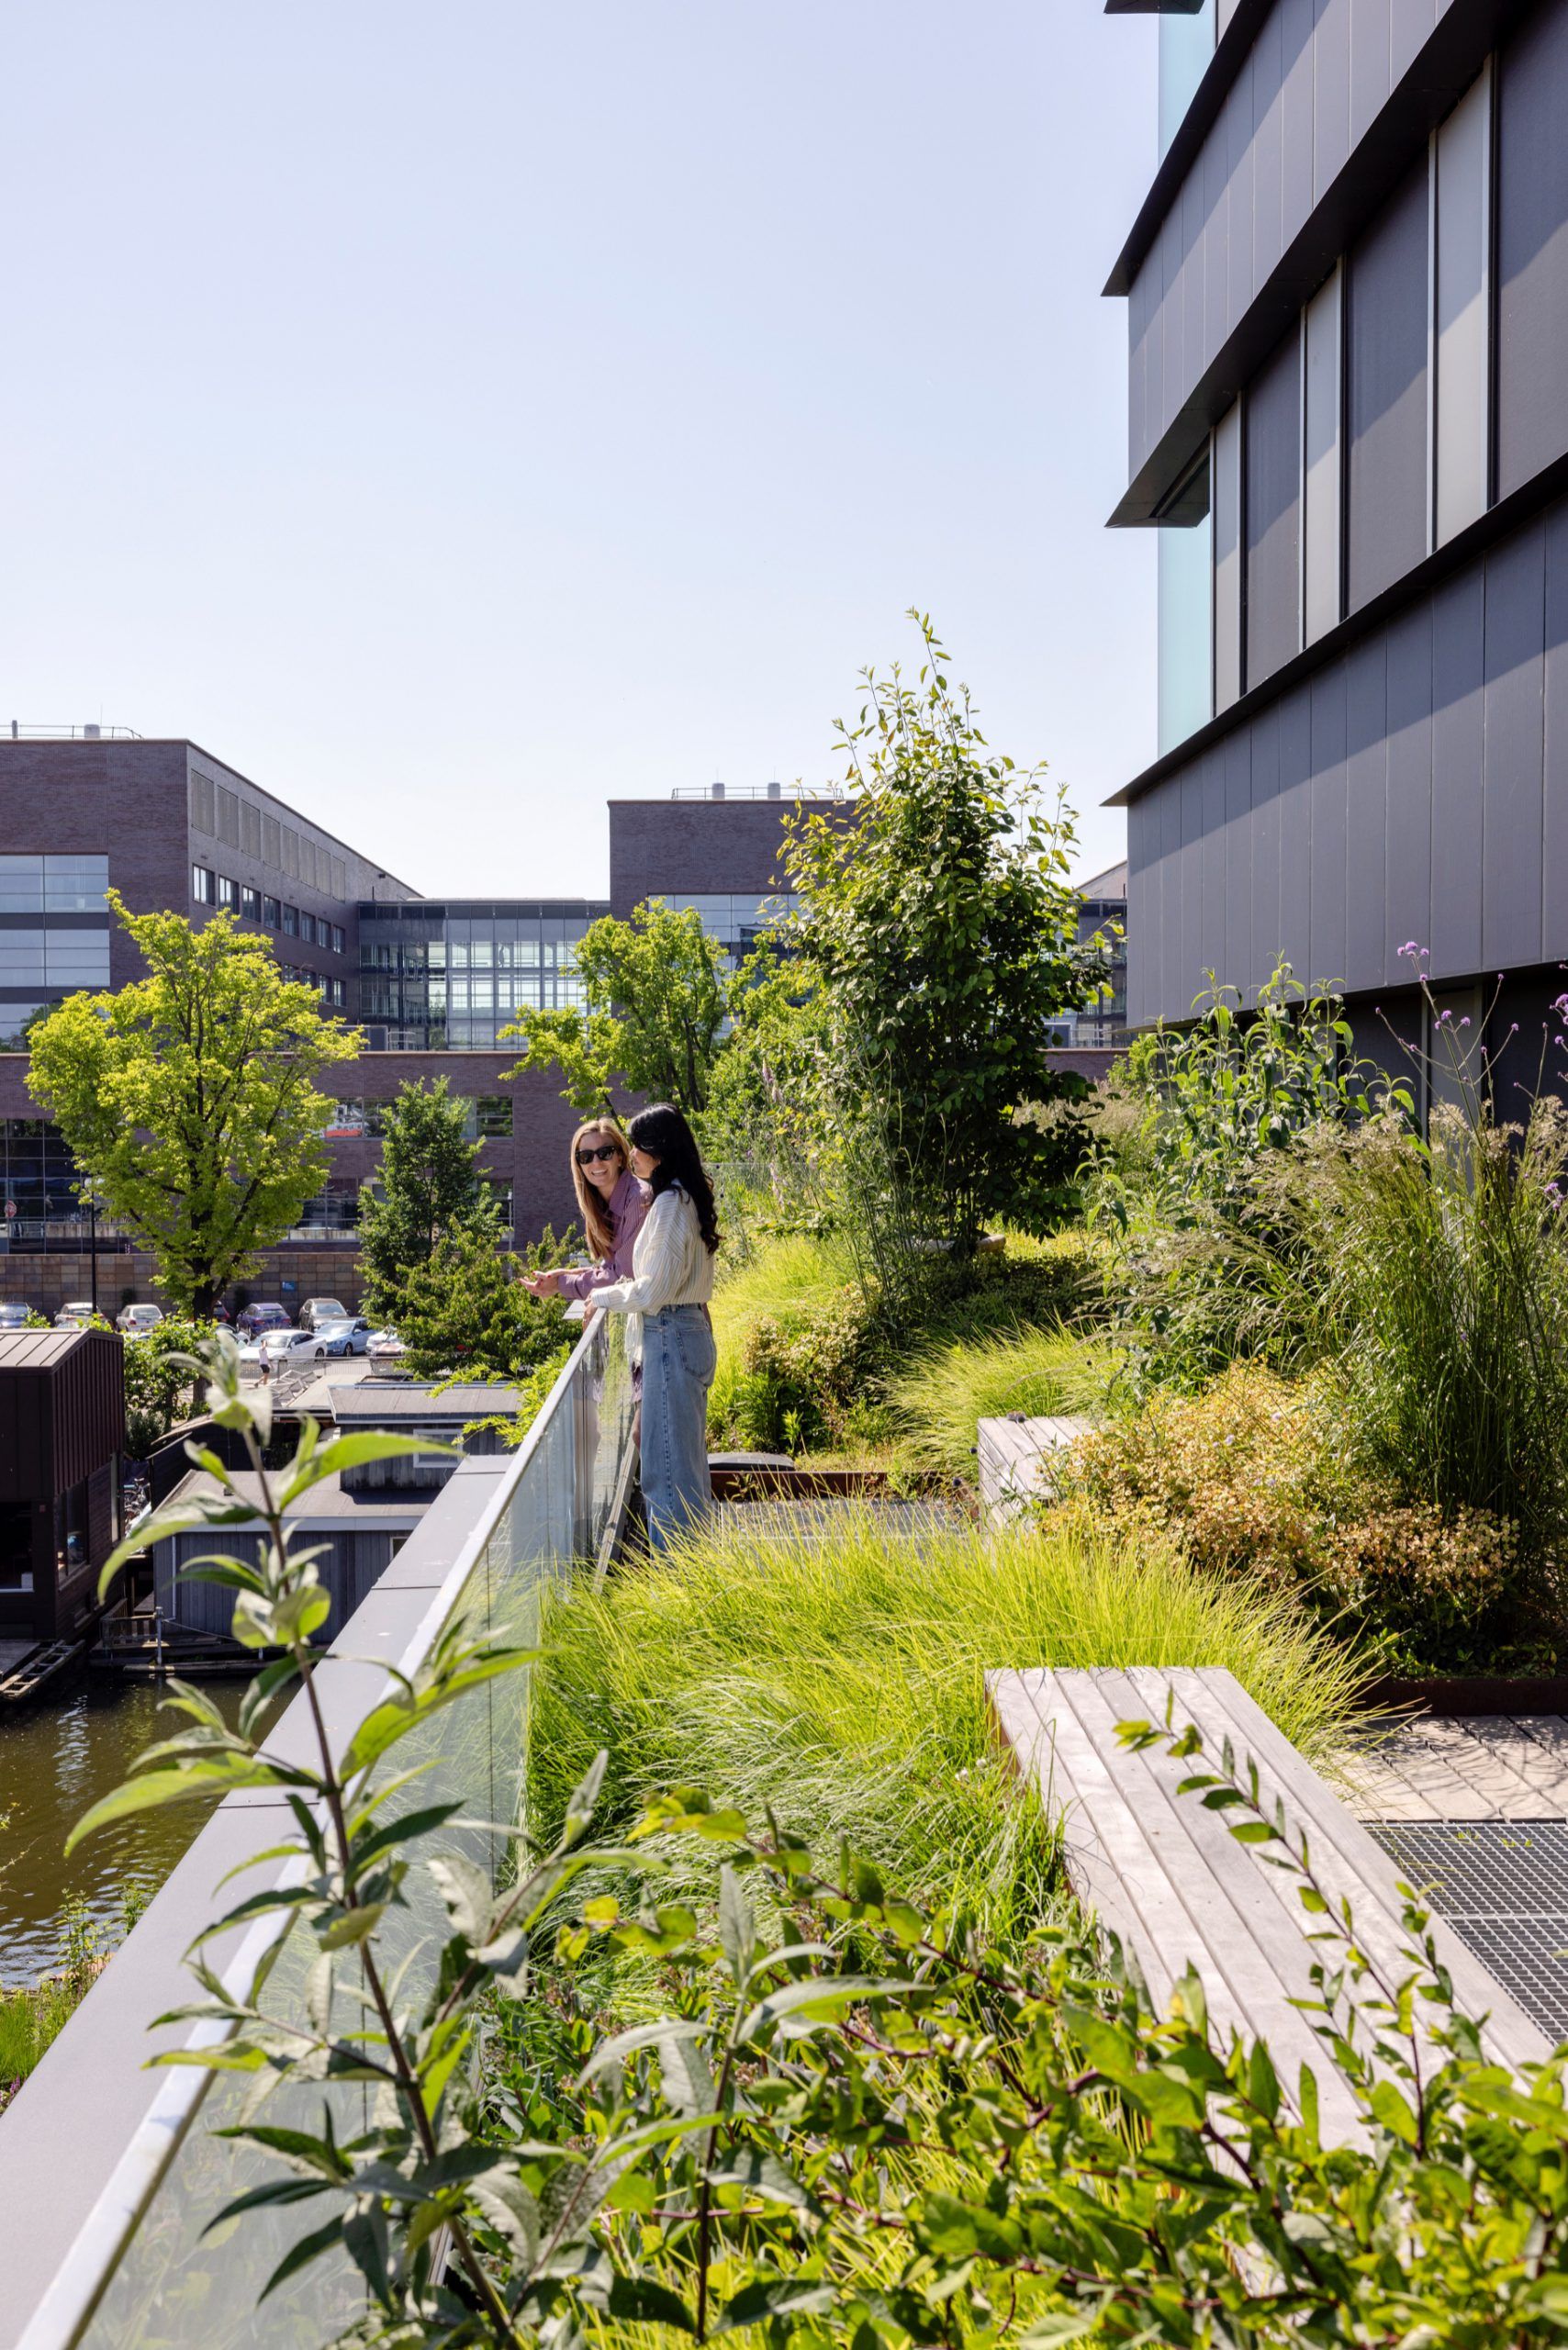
[
  {"x": 942, "y": 931},
  {"x": 189, "y": 1098},
  {"x": 429, "y": 1189},
  {"x": 657, "y": 998},
  {"x": 161, "y": 1372},
  {"x": 463, "y": 1313}
]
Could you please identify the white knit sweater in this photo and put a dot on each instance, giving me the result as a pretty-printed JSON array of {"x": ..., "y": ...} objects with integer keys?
[{"x": 671, "y": 1264}]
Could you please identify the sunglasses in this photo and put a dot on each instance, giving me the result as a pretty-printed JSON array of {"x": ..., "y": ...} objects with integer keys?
[{"x": 604, "y": 1150}]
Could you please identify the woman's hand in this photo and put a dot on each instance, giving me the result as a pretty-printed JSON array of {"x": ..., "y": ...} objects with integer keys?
[{"x": 541, "y": 1285}]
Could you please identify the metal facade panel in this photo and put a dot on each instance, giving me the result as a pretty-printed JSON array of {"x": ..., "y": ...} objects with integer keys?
[
  {"x": 1295, "y": 830},
  {"x": 1410, "y": 24},
  {"x": 1265, "y": 923},
  {"x": 1460, "y": 459},
  {"x": 1193, "y": 319},
  {"x": 1235, "y": 964},
  {"x": 1273, "y": 510},
  {"x": 1268, "y": 149},
  {"x": 1385, "y": 364},
  {"x": 1554, "y": 762},
  {"x": 1234, "y": 126},
  {"x": 1191, "y": 966},
  {"x": 1366, "y": 793},
  {"x": 1331, "y": 94},
  {"x": 1212, "y": 950},
  {"x": 1295, "y": 74},
  {"x": 1512, "y": 814},
  {"x": 1214, "y": 172},
  {"x": 1408, "y": 905},
  {"x": 1532, "y": 249},
  {"x": 1327, "y": 695},
  {"x": 1457, "y": 765},
  {"x": 1370, "y": 42}
]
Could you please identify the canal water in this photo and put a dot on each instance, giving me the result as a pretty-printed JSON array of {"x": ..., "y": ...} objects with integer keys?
[{"x": 56, "y": 1758}]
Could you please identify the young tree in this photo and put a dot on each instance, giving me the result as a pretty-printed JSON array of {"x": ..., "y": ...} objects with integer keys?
[
  {"x": 160, "y": 1380},
  {"x": 942, "y": 931},
  {"x": 429, "y": 1189},
  {"x": 464, "y": 1312},
  {"x": 190, "y": 1099},
  {"x": 657, "y": 999}
]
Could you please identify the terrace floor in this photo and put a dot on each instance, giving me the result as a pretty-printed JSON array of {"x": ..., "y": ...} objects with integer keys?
[{"x": 1473, "y": 1812}]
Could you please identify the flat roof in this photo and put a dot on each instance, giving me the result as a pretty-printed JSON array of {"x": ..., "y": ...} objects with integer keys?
[
  {"x": 325, "y": 1504},
  {"x": 411, "y": 1399}
]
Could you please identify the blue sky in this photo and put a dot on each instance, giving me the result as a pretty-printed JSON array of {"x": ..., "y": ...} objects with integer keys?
[{"x": 452, "y": 416}]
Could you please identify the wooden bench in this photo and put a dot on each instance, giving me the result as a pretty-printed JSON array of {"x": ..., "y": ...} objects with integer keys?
[
  {"x": 1164, "y": 1873},
  {"x": 1014, "y": 1458}
]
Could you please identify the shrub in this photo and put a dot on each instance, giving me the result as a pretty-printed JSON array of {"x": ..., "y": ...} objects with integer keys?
[{"x": 1255, "y": 1478}]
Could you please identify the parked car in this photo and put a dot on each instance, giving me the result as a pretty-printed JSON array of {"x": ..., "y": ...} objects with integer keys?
[
  {"x": 12, "y": 1315},
  {"x": 317, "y": 1310},
  {"x": 348, "y": 1337},
  {"x": 293, "y": 1346},
  {"x": 135, "y": 1321},
  {"x": 221, "y": 1316},
  {"x": 384, "y": 1345},
  {"x": 256, "y": 1318},
  {"x": 76, "y": 1317}
]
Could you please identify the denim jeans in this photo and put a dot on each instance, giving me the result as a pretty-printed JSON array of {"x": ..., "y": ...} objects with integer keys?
[{"x": 678, "y": 1356}]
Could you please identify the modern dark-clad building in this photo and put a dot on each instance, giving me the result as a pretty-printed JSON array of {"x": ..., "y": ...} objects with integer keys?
[{"x": 1347, "y": 421}]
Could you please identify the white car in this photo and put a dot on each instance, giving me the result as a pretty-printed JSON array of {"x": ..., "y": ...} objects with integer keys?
[
  {"x": 384, "y": 1345},
  {"x": 136, "y": 1321},
  {"x": 75, "y": 1316},
  {"x": 283, "y": 1347}
]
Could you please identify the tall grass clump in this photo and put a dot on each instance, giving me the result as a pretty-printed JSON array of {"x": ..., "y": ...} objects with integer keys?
[
  {"x": 945, "y": 1392},
  {"x": 839, "y": 1679},
  {"x": 1445, "y": 1273}
]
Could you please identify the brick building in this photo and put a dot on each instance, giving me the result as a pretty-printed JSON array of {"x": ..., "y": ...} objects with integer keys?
[{"x": 430, "y": 982}]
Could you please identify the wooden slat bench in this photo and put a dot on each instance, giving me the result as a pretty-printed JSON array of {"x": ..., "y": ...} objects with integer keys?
[
  {"x": 1016, "y": 1455},
  {"x": 1164, "y": 1874}
]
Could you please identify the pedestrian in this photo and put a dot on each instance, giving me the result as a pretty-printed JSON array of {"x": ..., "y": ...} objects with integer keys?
[
  {"x": 669, "y": 1330},
  {"x": 613, "y": 1204}
]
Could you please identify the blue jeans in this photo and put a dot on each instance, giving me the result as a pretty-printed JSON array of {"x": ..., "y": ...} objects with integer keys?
[{"x": 678, "y": 1357}]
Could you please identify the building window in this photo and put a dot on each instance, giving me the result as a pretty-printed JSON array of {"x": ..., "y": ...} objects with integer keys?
[
  {"x": 494, "y": 1115},
  {"x": 337, "y": 940},
  {"x": 291, "y": 922},
  {"x": 1460, "y": 397},
  {"x": 1227, "y": 557},
  {"x": 70, "y": 1550},
  {"x": 76, "y": 958},
  {"x": 251, "y": 903},
  {"x": 308, "y": 929},
  {"x": 272, "y": 913},
  {"x": 1386, "y": 393},
  {"x": 203, "y": 886},
  {"x": 228, "y": 893},
  {"x": 1273, "y": 511},
  {"x": 1320, "y": 551}
]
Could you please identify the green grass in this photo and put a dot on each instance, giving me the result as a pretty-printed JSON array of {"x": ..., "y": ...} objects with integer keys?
[
  {"x": 841, "y": 1683},
  {"x": 794, "y": 1271},
  {"x": 947, "y": 1391},
  {"x": 29, "y": 2019}
]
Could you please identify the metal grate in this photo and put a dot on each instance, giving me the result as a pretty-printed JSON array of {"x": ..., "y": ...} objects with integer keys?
[{"x": 1502, "y": 1884}]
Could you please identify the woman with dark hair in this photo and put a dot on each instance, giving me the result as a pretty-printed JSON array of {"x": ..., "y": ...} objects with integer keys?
[
  {"x": 613, "y": 1203},
  {"x": 670, "y": 1331}
]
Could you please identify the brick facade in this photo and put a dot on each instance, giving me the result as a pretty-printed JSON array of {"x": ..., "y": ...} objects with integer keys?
[{"x": 697, "y": 848}]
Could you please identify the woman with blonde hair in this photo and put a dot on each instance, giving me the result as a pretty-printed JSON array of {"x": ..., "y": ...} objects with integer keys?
[{"x": 612, "y": 1203}]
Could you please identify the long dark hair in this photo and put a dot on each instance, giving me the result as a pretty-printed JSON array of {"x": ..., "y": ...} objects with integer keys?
[{"x": 664, "y": 1133}]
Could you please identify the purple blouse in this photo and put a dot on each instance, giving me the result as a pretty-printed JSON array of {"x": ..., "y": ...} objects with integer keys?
[{"x": 627, "y": 1206}]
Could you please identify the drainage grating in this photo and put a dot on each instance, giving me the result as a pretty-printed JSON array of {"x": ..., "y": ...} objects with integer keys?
[{"x": 1502, "y": 1884}]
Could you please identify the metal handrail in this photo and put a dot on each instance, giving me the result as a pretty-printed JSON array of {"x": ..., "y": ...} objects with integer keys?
[
  {"x": 21, "y": 733},
  {"x": 720, "y": 791}
]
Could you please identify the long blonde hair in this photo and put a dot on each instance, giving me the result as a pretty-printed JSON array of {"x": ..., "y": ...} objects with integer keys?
[{"x": 596, "y": 1220}]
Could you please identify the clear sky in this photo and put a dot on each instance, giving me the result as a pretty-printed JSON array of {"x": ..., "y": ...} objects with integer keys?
[{"x": 456, "y": 414}]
